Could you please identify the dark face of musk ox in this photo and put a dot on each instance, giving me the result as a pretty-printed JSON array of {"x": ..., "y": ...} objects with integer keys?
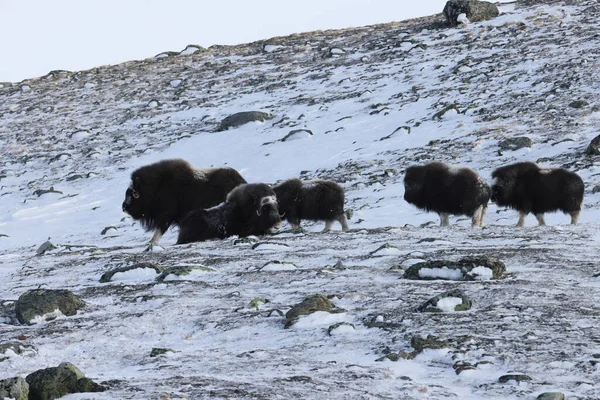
[
  {"x": 132, "y": 204},
  {"x": 267, "y": 211}
]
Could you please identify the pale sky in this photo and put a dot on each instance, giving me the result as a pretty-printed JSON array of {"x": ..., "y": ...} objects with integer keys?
[{"x": 38, "y": 36}]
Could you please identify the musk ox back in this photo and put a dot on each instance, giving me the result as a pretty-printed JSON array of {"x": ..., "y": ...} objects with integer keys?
[
  {"x": 528, "y": 188},
  {"x": 317, "y": 200},
  {"x": 250, "y": 209},
  {"x": 447, "y": 191},
  {"x": 161, "y": 194}
]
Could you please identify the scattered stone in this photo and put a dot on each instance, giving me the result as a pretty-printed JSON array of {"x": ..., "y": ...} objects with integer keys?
[
  {"x": 465, "y": 269},
  {"x": 182, "y": 270},
  {"x": 578, "y": 104},
  {"x": 16, "y": 348},
  {"x": 461, "y": 366},
  {"x": 596, "y": 189},
  {"x": 106, "y": 229},
  {"x": 275, "y": 265},
  {"x": 44, "y": 247},
  {"x": 255, "y": 303},
  {"x": 311, "y": 304},
  {"x": 107, "y": 276},
  {"x": 474, "y": 10},
  {"x": 340, "y": 327},
  {"x": 242, "y": 118},
  {"x": 401, "y": 355},
  {"x": 191, "y": 49},
  {"x": 52, "y": 383},
  {"x": 551, "y": 396},
  {"x": 157, "y": 351},
  {"x": 593, "y": 148},
  {"x": 40, "y": 192},
  {"x": 516, "y": 143},
  {"x": 385, "y": 250},
  {"x": 430, "y": 342},
  {"x": 297, "y": 134},
  {"x": 40, "y": 305},
  {"x": 514, "y": 377},
  {"x": 14, "y": 388},
  {"x": 453, "y": 300}
]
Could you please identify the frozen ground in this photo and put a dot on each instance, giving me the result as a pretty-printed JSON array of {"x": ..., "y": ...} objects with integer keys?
[{"x": 376, "y": 100}]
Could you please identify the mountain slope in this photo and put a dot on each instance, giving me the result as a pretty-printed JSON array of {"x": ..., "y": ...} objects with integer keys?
[{"x": 376, "y": 99}]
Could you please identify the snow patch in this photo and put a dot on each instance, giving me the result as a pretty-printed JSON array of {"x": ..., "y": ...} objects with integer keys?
[
  {"x": 137, "y": 274},
  {"x": 441, "y": 273},
  {"x": 482, "y": 273},
  {"x": 447, "y": 304}
]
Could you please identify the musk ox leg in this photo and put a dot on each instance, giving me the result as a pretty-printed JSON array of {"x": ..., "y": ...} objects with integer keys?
[
  {"x": 574, "y": 216},
  {"x": 344, "y": 222},
  {"x": 522, "y": 216},
  {"x": 540, "y": 219},
  {"x": 158, "y": 233},
  {"x": 482, "y": 218},
  {"x": 444, "y": 219},
  {"x": 328, "y": 225},
  {"x": 477, "y": 219}
]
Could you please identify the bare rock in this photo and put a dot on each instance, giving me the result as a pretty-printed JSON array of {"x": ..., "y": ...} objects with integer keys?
[
  {"x": 242, "y": 118},
  {"x": 14, "y": 388},
  {"x": 44, "y": 303},
  {"x": 52, "y": 383},
  {"x": 475, "y": 10}
]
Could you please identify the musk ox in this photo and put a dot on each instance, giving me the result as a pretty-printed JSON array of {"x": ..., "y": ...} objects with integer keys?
[
  {"x": 317, "y": 200},
  {"x": 447, "y": 190},
  {"x": 528, "y": 188},
  {"x": 250, "y": 209},
  {"x": 161, "y": 194}
]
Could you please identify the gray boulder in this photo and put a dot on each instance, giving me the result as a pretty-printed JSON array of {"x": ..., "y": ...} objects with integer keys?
[
  {"x": 437, "y": 304},
  {"x": 311, "y": 304},
  {"x": 593, "y": 148},
  {"x": 242, "y": 118},
  {"x": 14, "y": 388},
  {"x": 516, "y": 143},
  {"x": 474, "y": 9},
  {"x": 465, "y": 269},
  {"x": 52, "y": 383},
  {"x": 41, "y": 302}
]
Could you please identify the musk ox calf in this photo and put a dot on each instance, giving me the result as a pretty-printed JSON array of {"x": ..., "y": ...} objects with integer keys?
[
  {"x": 161, "y": 194},
  {"x": 250, "y": 209},
  {"x": 447, "y": 190},
  {"x": 317, "y": 200},
  {"x": 528, "y": 188}
]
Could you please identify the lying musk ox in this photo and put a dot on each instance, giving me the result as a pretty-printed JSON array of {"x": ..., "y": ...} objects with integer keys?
[
  {"x": 317, "y": 200},
  {"x": 447, "y": 190},
  {"x": 250, "y": 209},
  {"x": 530, "y": 189},
  {"x": 161, "y": 194}
]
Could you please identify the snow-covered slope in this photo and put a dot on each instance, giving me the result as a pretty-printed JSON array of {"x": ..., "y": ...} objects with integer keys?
[{"x": 376, "y": 99}]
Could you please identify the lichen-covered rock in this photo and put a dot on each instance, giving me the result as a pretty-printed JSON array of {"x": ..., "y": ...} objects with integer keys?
[
  {"x": 514, "y": 377},
  {"x": 516, "y": 143},
  {"x": 36, "y": 304},
  {"x": 465, "y": 269},
  {"x": 107, "y": 276},
  {"x": 593, "y": 148},
  {"x": 52, "y": 383},
  {"x": 157, "y": 351},
  {"x": 311, "y": 304},
  {"x": 14, "y": 388},
  {"x": 16, "y": 348},
  {"x": 242, "y": 118},
  {"x": 453, "y": 300},
  {"x": 475, "y": 10},
  {"x": 578, "y": 104},
  {"x": 551, "y": 396},
  {"x": 181, "y": 270}
]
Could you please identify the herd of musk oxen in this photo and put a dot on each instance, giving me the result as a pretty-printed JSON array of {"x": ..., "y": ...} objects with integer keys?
[{"x": 213, "y": 203}]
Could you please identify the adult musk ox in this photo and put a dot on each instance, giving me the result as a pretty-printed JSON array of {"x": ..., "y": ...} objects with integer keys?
[
  {"x": 447, "y": 190},
  {"x": 528, "y": 188},
  {"x": 317, "y": 200},
  {"x": 161, "y": 194},
  {"x": 250, "y": 209}
]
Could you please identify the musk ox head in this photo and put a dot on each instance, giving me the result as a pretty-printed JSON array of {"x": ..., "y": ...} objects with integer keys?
[
  {"x": 256, "y": 202},
  {"x": 133, "y": 203},
  {"x": 509, "y": 179}
]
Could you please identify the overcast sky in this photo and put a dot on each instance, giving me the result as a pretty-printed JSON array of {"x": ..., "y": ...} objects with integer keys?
[{"x": 38, "y": 36}]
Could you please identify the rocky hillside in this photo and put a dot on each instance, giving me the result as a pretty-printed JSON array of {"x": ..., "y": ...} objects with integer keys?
[{"x": 222, "y": 319}]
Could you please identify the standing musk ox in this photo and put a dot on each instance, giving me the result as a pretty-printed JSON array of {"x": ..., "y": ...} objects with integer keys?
[
  {"x": 161, "y": 194},
  {"x": 317, "y": 200},
  {"x": 447, "y": 190},
  {"x": 530, "y": 189},
  {"x": 250, "y": 209}
]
